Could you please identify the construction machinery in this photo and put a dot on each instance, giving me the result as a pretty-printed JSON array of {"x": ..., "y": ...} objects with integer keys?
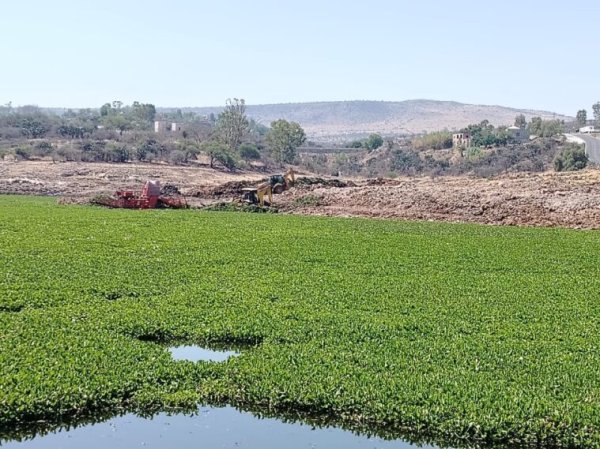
[
  {"x": 151, "y": 197},
  {"x": 276, "y": 184}
]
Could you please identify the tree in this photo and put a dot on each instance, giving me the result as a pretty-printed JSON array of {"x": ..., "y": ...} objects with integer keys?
[
  {"x": 219, "y": 152},
  {"x": 374, "y": 141},
  {"x": 571, "y": 158},
  {"x": 143, "y": 112},
  {"x": 232, "y": 123},
  {"x": 520, "y": 121},
  {"x": 117, "y": 121},
  {"x": 535, "y": 126},
  {"x": 596, "y": 109},
  {"x": 34, "y": 127},
  {"x": 283, "y": 140},
  {"x": 581, "y": 118}
]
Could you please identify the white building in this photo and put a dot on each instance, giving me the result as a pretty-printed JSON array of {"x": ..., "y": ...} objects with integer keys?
[
  {"x": 588, "y": 130},
  {"x": 518, "y": 134},
  {"x": 161, "y": 126}
]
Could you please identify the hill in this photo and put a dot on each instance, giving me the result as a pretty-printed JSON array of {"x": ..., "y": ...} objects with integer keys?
[{"x": 348, "y": 119}]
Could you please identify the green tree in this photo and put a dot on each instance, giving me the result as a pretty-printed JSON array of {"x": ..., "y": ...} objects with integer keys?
[
  {"x": 219, "y": 152},
  {"x": 232, "y": 124},
  {"x": 142, "y": 113},
  {"x": 284, "y": 138},
  {"x": 374, "y": 141},
  {"x": 581, "y": 118},
  {"x": 571, "y": 158},
  {"x": 596, "y": 109},
  {"x": 520, "y": 121},
  {"x": 249, "y": 152},
  {"x": 535, "y": 126},
  {"x": 118, "y": 122},
  {"x": 34, "y": 127}
]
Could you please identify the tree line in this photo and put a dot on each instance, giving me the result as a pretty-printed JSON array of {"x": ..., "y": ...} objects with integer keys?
[{"x": 116, "y": 132}]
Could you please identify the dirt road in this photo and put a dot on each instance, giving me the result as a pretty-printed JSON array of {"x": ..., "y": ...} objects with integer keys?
[{"x": 546, "y": 199}]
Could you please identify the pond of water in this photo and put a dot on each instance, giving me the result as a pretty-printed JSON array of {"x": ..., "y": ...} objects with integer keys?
[
  {"x": 197, "y": 353},
  {"x": 223, "y": 428}
]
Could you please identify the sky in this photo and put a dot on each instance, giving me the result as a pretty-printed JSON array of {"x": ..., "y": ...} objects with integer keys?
[{"x": 525, "y": 54}]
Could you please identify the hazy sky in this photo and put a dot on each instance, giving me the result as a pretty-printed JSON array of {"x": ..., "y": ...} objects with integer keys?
[{"x": 76, "y": 53}]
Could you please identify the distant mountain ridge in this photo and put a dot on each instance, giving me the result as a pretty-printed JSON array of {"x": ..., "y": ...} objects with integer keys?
[{"x": 346, "y": 119}]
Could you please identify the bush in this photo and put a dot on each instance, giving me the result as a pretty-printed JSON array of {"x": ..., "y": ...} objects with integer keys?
[
  {"x": 473, "y": 153},
  {"x": 43, "y": 148},
  {"x": 571, "y": 158},
  {"x": 116, "y": 153},
  {"x": 373, "y": 142},
  {"x": 178, "y": 157},
  {"x": 148, "y": 150},
  {"x": 249, "y": 152},
  {"x": 219, "y": 152},
  {"x": 438, "y": 140},
  {"x": 68, "y": 154},
  {"x": 24, "y": 152},
  {"x": 405, "y": 161}
]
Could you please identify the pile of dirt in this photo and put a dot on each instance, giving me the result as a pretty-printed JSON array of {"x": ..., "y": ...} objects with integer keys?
[
  {"x": 170, "y": 190},
  {"x": 321, "y": 182},
  {"x": 228, "y": 189},
  {"x": 547, "y": 199}
]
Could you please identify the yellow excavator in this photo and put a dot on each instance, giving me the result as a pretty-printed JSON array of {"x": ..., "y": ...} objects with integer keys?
[{"x": 276, "y": 184}]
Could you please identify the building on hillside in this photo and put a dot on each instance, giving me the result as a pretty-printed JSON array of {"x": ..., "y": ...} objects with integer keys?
[
  {"x": 461, "y": 140},
  {"x": 588, "y": 129},
  {"x": 162, "y": 126},
  {"x": 518, "y": 134}
]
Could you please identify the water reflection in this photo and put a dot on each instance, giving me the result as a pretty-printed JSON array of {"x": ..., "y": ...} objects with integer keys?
[
  {"x": 210, "y": 428},
  {"x": 197, "y": 353}
]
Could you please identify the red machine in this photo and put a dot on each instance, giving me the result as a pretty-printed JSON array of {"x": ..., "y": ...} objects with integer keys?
[{"x": 150, "y": 198}]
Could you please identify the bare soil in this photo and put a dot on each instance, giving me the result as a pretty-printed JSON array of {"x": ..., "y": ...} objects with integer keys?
[{"x": 540, "y": 199}]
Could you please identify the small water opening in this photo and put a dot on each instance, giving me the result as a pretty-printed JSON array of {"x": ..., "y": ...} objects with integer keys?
[{"x": 195, "y": 353}]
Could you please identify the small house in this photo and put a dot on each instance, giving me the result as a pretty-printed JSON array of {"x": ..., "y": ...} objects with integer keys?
[
  {"x": 518, "y": 134},
  {"x": 461, "y": 140}
]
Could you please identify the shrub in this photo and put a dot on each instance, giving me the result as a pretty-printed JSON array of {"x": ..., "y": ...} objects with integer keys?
[
  {"x": 249, "y": 152},
  {"x": 437, "y": 141},
  {"x": 43, "y": 148},
  {"x": 571, "y": 158},
  {"x": 373, "y": 142},
  {"x": 148, "y": 150},
  {"x": 405, "y": 161},
  {"x": 24, "y": 152},
  {"x": 68, "y": 153},
  {"x": 178, "y": 157},
  {"x": 116, "y": 153},
  {"x": 473, "y": 153}
]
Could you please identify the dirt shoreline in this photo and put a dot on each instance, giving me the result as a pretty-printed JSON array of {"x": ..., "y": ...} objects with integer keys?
[{"x": 525, "y": 199}]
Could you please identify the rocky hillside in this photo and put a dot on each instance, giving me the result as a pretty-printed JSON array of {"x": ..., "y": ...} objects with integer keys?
[{"x": 348, "y": 119}]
